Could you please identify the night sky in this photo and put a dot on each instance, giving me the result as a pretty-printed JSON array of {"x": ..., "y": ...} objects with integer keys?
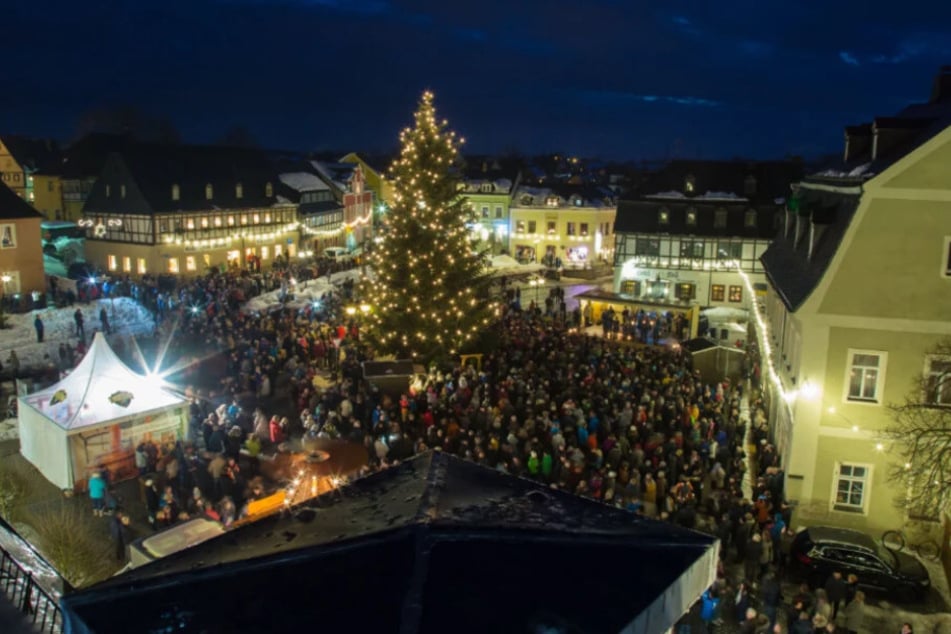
[{"x": 609, "y": 78}]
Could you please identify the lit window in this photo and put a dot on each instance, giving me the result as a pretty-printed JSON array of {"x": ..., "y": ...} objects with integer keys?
[
  {"x": 552, "y": 201},
  {"x": 719, "y": 219},
  {"x": 851, "y": 486},
  {"x": 690, "y": 183},
  {"x": 663, "y": 216},
  {"x": 176, "y": 192},
  {"x": 209, "y": 191},
  {"x": 278, "y": 250},
  {"x": 938, "y": 381},
  {"x": 583, "y": 230},
  {"x": 217, "y": 221},
  {"x": 233, "y": 255},
  {"x": 685, "y": 291},
  {"x": 121, "y": 191},
  {"x": 207, "y": 259},
  {"x": 230, "y": 221},
  {"x": 112, "y": 263},
  {"x": 570, "y": 230},
  {"x": 190, "y": 263},
  {"x": 717, "y": 293},
  {"x": 552, "y": 227},
  {"x": 691, "y": 217},
  {"x": 579, "y": 201},
  {"x": 520, "y": 226},
  {"x": 239, "y": 191},
  {"x": 204, "y": 223},
  {"x": 267, "y": 217},
  {"x": 866, "y": 376},
  {"x": 268, "y": 190},
  {"x": 265, "y": 253},
  {"x": 190, "y": 223},
  {"x": 126, "y": 264},
  {"x": 692, "y": 249},
  {"x": 257, "y": 218},
  {"x": 244, "y": 219},
  {"x": 140, "y": 265},
  {"x": 173, "y": 265},
  {"x": 736, "y": 294}
]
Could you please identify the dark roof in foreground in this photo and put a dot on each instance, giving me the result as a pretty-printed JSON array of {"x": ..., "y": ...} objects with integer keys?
[
  {"x": 12, "y": 207},
  {"x": 435, "y": 544}
]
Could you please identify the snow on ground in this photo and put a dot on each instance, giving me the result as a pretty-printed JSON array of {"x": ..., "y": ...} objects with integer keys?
[
  {"x": 500, "y": 265},
  {"x": 304, "y": 293},
  {"x": 126, "y": 317}
]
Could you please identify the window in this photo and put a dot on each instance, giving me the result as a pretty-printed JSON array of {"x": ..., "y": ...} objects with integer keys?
[
  {"x": 520, "y": 226},
  {"x": 204, "y": 223},
  {"x": 938, "y": 381},
  {"x": 140, "y": 266},
  {"x": 691, "y": 249},
  {"x": 691, "y": 217},
  {"x": 571, "y": 229},
  {"x": 526, "y": 199},
  {"x": 265, "y": 253},
  {"x": 126, "y": 264},
  {"x": 579, "y": 201},
  {"x": 239, "y": 191},
  {"x": 111, "y": 262},
  {"x": 176, "y": 192},
  {"x": 727, "y": 250},
  {"x": 268, "y": 190},
  {"x": 108, "y": 191},
  {"x": 552, "y": 201},
  {"x": 121, "y": 191},
  {"x": 256, "y": 218},
  {"x": 190, "y": 223},
  {"x": 209, "y": 191},
  {"x": 719, "y": 219},
  {"x": 866, "y": 376},
  {"x": 749, "y": 220},
  {"x": 552, "y": 227},
  {"x": 946, "y": 261},
  {"x": 230, "y": 221},
  {"x": 487, "y": 188},
  {"x": 190, "y": 264},
  {"x": 532, "y": 226},
  {"x": 717, "y": 293},
  {"x": 647, "y": 246},
  {"x": 850, "y": 487},
  {"x": 244, "y": 219},
  {"x": 685, "y": 291},
  {"x": 663, "y": 216},
  {"x": 485, "y": 211},
  {"x": 690, "y": 183},
  {"x": 583, "y": 229},
  {"x": 736, "y": 294},
  {"x": 498, "y": 211}
]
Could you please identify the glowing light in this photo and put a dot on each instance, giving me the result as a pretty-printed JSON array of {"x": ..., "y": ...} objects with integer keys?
[
  {"x": 879, "y": 447},
  {"x": 809, "y": 390},
  {"x": 855, "y": 427}
]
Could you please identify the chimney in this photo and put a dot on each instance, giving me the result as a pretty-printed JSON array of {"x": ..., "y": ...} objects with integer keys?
[
  {"x": 941, "y": 90},
  {"x": 858, "y": 141}
]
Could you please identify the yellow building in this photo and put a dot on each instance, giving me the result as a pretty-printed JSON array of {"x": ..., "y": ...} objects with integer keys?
[
  {"x": 859, "y": 293},
  {"x": 563, "y": 224},
  {"x": 31, "y": 168},
  {"x": 374, "y": 176},
  {"x": 185, "y": 209},
  {"x": 21, "y": 250}
]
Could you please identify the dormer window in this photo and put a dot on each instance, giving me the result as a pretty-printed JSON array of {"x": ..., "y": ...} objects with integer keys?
[
  {"x": 268, "y": 190},
  {"x": 487, "y": 188},
  {"x": 719, "y": 219},
  {"x": 552, "y": 201},
  {"x": 209, "y": 191},
  {"x": 691, "y": 217},
  {"x": 749, "y": 220},
  {"x": 176, "y": 192},
  {"x": 527, "y": 199},
  {"x": 578, "y": 201},
  {"x": 690, "y": 184},
  {"x": 663, "y": 216},
  {"x": 239, "y": 191}
]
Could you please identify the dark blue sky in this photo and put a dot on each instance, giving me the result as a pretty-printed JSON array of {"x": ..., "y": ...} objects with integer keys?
[{"x": 618, "y": 79}]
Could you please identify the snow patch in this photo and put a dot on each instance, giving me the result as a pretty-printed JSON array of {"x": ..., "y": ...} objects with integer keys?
[
  {"x": 303, "y": 182},
  {"x": 670, "y": 194}
]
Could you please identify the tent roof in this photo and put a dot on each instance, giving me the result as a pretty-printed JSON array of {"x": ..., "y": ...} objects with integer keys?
[
  {"x": 440, "y": 544},
  {"x": 96, "y": 392}
]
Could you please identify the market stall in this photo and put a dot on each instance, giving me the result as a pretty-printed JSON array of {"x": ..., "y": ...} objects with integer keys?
[{"x": 95, "y": 417}]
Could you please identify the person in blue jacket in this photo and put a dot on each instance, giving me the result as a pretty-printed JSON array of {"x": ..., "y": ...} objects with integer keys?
[
  {"x": 708, "y": 609},
  {"x": 97, "y": 493}
]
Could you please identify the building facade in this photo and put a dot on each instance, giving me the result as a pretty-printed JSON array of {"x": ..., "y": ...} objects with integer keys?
[
  {"x": 694, "y": 226},
  {"x": 21, "y": 250},
  {"x": 488, "y": 191},
  {"x": 31, "y": 168},
  {"x": 567, "y": 225},
  {"x": 859, "y": 294},
  {"x": 182, "y": 210},
  {"x": 319, "y": 212},
  {"x": 348, "y": 184}
]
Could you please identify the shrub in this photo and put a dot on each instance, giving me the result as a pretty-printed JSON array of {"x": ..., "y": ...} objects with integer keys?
[
  {"x": 14, "y": 487},
  {"x": 75, "y": 544}
]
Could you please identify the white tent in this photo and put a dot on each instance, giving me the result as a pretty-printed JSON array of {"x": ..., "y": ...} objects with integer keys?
[{"x": 96, "y": 416}]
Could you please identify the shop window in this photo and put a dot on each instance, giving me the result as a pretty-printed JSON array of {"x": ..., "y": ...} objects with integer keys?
[
  {"x": 717, "y": 293},
  {"x": 736, "y": 294},
  {"x": 190, "y": 264},
  {"x": 140, "y": 266},
  {"x": 265, "y": 253},
  {"x": 173, "y": 266},
  {"x": 631, "y": 287},
  {"x": 685, "y": 291},
  {"x": 126, "y": 264},
  {"x": 112, "y": 262}
]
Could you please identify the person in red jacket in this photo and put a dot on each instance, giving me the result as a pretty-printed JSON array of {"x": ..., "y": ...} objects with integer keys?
[{"x": 277, "y": 432}]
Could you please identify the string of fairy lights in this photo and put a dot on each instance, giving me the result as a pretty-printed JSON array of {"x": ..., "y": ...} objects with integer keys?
[{"x": 426, "y": 301}]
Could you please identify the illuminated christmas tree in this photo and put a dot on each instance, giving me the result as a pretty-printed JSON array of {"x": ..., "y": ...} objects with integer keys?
[{"x": 427, "y": 291}]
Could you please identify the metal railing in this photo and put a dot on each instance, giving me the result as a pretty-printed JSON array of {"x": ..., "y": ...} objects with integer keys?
[{"x": 39, "y": 608}]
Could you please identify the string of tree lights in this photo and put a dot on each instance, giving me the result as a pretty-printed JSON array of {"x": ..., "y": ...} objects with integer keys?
[{"x": 428, "y": 296}]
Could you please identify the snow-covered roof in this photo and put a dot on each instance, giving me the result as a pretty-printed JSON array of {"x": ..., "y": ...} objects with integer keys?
[
  {"x": 101, "y": 389},
  {"x": 303, "y": 182},
  {"x": 670, "y": 194},
  {"x": 721, "y": 196},
  {"x": 500, "y": 265}
]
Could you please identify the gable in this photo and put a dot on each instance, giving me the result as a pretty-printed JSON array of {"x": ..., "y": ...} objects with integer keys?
[{"x": 930, "y": 172}]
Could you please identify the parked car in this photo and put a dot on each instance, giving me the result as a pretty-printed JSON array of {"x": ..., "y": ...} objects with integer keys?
[
  {"x": 820, "y": 550},
  {"x": 338, "y": 254}
]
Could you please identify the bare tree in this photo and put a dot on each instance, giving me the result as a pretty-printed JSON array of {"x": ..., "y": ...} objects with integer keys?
[{"x": 921, "y": 431}]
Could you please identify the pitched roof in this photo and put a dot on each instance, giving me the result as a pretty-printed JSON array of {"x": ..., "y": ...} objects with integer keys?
[
  {"x": 787, "y": 262},
  {"x": 645, "y": 216},
  {"x": 41, "y": 156},
  {"x": 439, "y": 544},
  {"x": 12, "y": 207},
  {"x": 85, "y": 157},
  {"x": 772, "y": 179}
]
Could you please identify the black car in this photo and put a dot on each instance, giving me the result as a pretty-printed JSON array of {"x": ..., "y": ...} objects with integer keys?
[{"x": 821, "y": 550}]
